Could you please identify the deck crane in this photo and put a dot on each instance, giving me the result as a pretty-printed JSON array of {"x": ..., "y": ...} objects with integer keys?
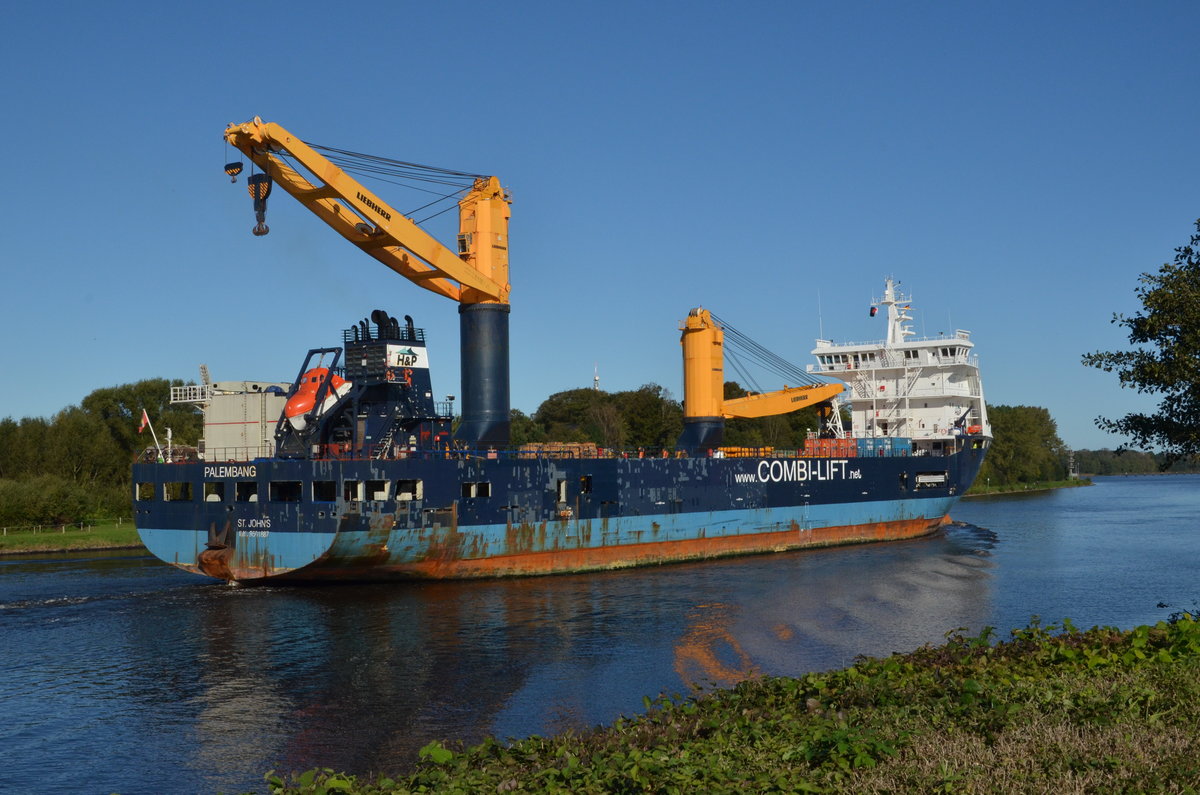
[
  {"x": 475, "y": 274},
  {"x": 705, "y": 408}
]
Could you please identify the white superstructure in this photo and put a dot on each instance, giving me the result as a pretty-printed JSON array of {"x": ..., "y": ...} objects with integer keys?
[
  {"x": 239, "y": 416},
  {"x": 924, "y": 389}
]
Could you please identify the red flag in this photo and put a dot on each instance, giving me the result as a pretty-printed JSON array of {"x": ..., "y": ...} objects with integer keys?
[{"x": 145, "y": 421}]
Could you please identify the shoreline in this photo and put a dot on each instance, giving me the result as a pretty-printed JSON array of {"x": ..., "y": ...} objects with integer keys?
[
  {"x": 75, "y": 548},
  {"x": 1037, "y": 489}
]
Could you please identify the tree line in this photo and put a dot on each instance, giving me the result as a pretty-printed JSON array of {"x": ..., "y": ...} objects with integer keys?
[
  {"x": 75, "y": 466},
  {"x": 1129, "y": 462}
]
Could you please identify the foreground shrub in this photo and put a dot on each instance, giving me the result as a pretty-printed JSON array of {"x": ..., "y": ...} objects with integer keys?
[{"x": 1052, "y": 709}]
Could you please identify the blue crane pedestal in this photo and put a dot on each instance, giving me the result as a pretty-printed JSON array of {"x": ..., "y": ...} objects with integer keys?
[{"x": 485, "y": 388}]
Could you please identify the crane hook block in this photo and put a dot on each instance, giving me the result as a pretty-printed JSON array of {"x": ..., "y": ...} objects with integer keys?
[
  {"x": 233, "y": 169},
  {"x": 259, "y": 186}
]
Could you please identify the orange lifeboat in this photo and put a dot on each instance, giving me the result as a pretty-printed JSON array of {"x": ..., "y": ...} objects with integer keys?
[{"x": 301, "y": 404}]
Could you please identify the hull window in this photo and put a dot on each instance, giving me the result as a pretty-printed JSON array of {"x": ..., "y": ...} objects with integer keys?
[
  {"x": 286, "y": 490},
  {"x": 247, "y": 491},
  {"x": 408, "y": 490},
  {"x": 932, "y": 480},
  {"x": 483, "y": 489},
  {"x": 214, "y": 491},
  {"x": 324, "y": 491},
  {"x": 177, "y": 491}
]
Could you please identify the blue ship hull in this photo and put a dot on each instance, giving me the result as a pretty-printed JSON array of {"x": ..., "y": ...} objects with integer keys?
[{"x": 453, "y": 515}]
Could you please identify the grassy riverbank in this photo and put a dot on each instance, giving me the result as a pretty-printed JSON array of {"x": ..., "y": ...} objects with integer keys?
[
  {"x": 1047, "y": 711},
  {"x": 982, "y": 489},
  {"x": 68, "y": 538}
]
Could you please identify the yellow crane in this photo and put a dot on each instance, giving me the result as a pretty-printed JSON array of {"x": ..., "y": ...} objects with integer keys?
[
  {"x": 705, "y": 408},
  {"x": 475, "y": 273}
]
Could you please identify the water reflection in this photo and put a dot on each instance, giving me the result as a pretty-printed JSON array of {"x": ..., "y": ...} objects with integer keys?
[
  {"x": 360, "y": 677},
  {"x": 224, "y": 683},
  {"x": 121, "y": 658},
  {"x": 833, "y": 605}
]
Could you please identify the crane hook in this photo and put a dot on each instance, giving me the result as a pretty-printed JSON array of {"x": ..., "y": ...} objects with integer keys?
[
  {"x": 259, "y": 186},
  {"x": 233, "y": 169}
]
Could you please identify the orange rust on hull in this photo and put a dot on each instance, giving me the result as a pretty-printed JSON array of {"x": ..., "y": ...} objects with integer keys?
[
  {"x": 215, "y": 563},
  {"x": 564, "y": 561}
]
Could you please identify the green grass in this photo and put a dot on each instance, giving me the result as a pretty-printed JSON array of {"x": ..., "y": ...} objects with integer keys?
[
  {"x": 105, "y": 535},
  {"x": 1048, "y": 711},
  {"x": 980, "y": 488}
]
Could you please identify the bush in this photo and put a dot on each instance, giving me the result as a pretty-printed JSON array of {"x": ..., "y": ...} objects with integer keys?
[{"x": 49, "y": 499}]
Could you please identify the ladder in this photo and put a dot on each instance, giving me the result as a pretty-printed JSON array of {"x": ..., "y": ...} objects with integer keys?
[{"x": 386, "y": 442}]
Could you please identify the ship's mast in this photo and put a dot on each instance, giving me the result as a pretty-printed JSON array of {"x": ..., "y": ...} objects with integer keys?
[{"x": 897, "y": 305}]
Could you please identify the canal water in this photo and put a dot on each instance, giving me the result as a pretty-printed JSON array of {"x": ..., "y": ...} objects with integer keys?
[{"x": 121, "y": 674}]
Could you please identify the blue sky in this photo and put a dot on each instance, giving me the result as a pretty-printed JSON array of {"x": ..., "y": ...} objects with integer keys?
[{"x": 1015, "y": 165}]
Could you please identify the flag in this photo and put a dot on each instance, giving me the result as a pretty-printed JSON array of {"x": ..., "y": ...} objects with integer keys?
[{"x": 145, "y": 421}]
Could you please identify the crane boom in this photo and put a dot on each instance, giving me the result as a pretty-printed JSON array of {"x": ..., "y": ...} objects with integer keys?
[
  {"x": 477, "y": 273},
  {"x": 783, "y": 401}
]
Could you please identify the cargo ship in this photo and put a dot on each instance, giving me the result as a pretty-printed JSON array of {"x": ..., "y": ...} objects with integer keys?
[
  {"x": 365, "y": 481},
  {"x": 353, "y": 471}
]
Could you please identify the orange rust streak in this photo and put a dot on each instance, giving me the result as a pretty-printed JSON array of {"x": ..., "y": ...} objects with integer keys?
[{"x": 647, "y": 553}]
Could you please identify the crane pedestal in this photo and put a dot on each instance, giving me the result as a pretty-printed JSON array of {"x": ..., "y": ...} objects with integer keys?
[{"x": 485, "y": 386}]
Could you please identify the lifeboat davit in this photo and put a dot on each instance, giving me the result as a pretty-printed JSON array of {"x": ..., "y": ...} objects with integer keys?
[{"x": 301, "y": 404}]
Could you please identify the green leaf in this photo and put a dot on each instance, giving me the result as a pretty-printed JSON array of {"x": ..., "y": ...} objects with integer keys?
[{"x": 436, "y": 753}]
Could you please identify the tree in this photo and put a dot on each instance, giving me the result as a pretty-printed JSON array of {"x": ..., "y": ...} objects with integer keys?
[
  {"x": 119, "y": 410},
  {"x": 1166, "y": 360},
  {"x": 652, "y": 417},
  {"x": 567, "y": 416},
  {"x": 1025, "y": 448},
  {"x": 610, "y": 424},
  {"x": 523, "y": 429}
]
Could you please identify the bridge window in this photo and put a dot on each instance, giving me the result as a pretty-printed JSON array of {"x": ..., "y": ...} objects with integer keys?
[
  {"x": 378, "y": 489},
  {"x": 352, "y": 490},
  {"x": 324, "y": 491},
  {"x": 144, "y": 492},
  {"x": 214, "y": 491}
]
